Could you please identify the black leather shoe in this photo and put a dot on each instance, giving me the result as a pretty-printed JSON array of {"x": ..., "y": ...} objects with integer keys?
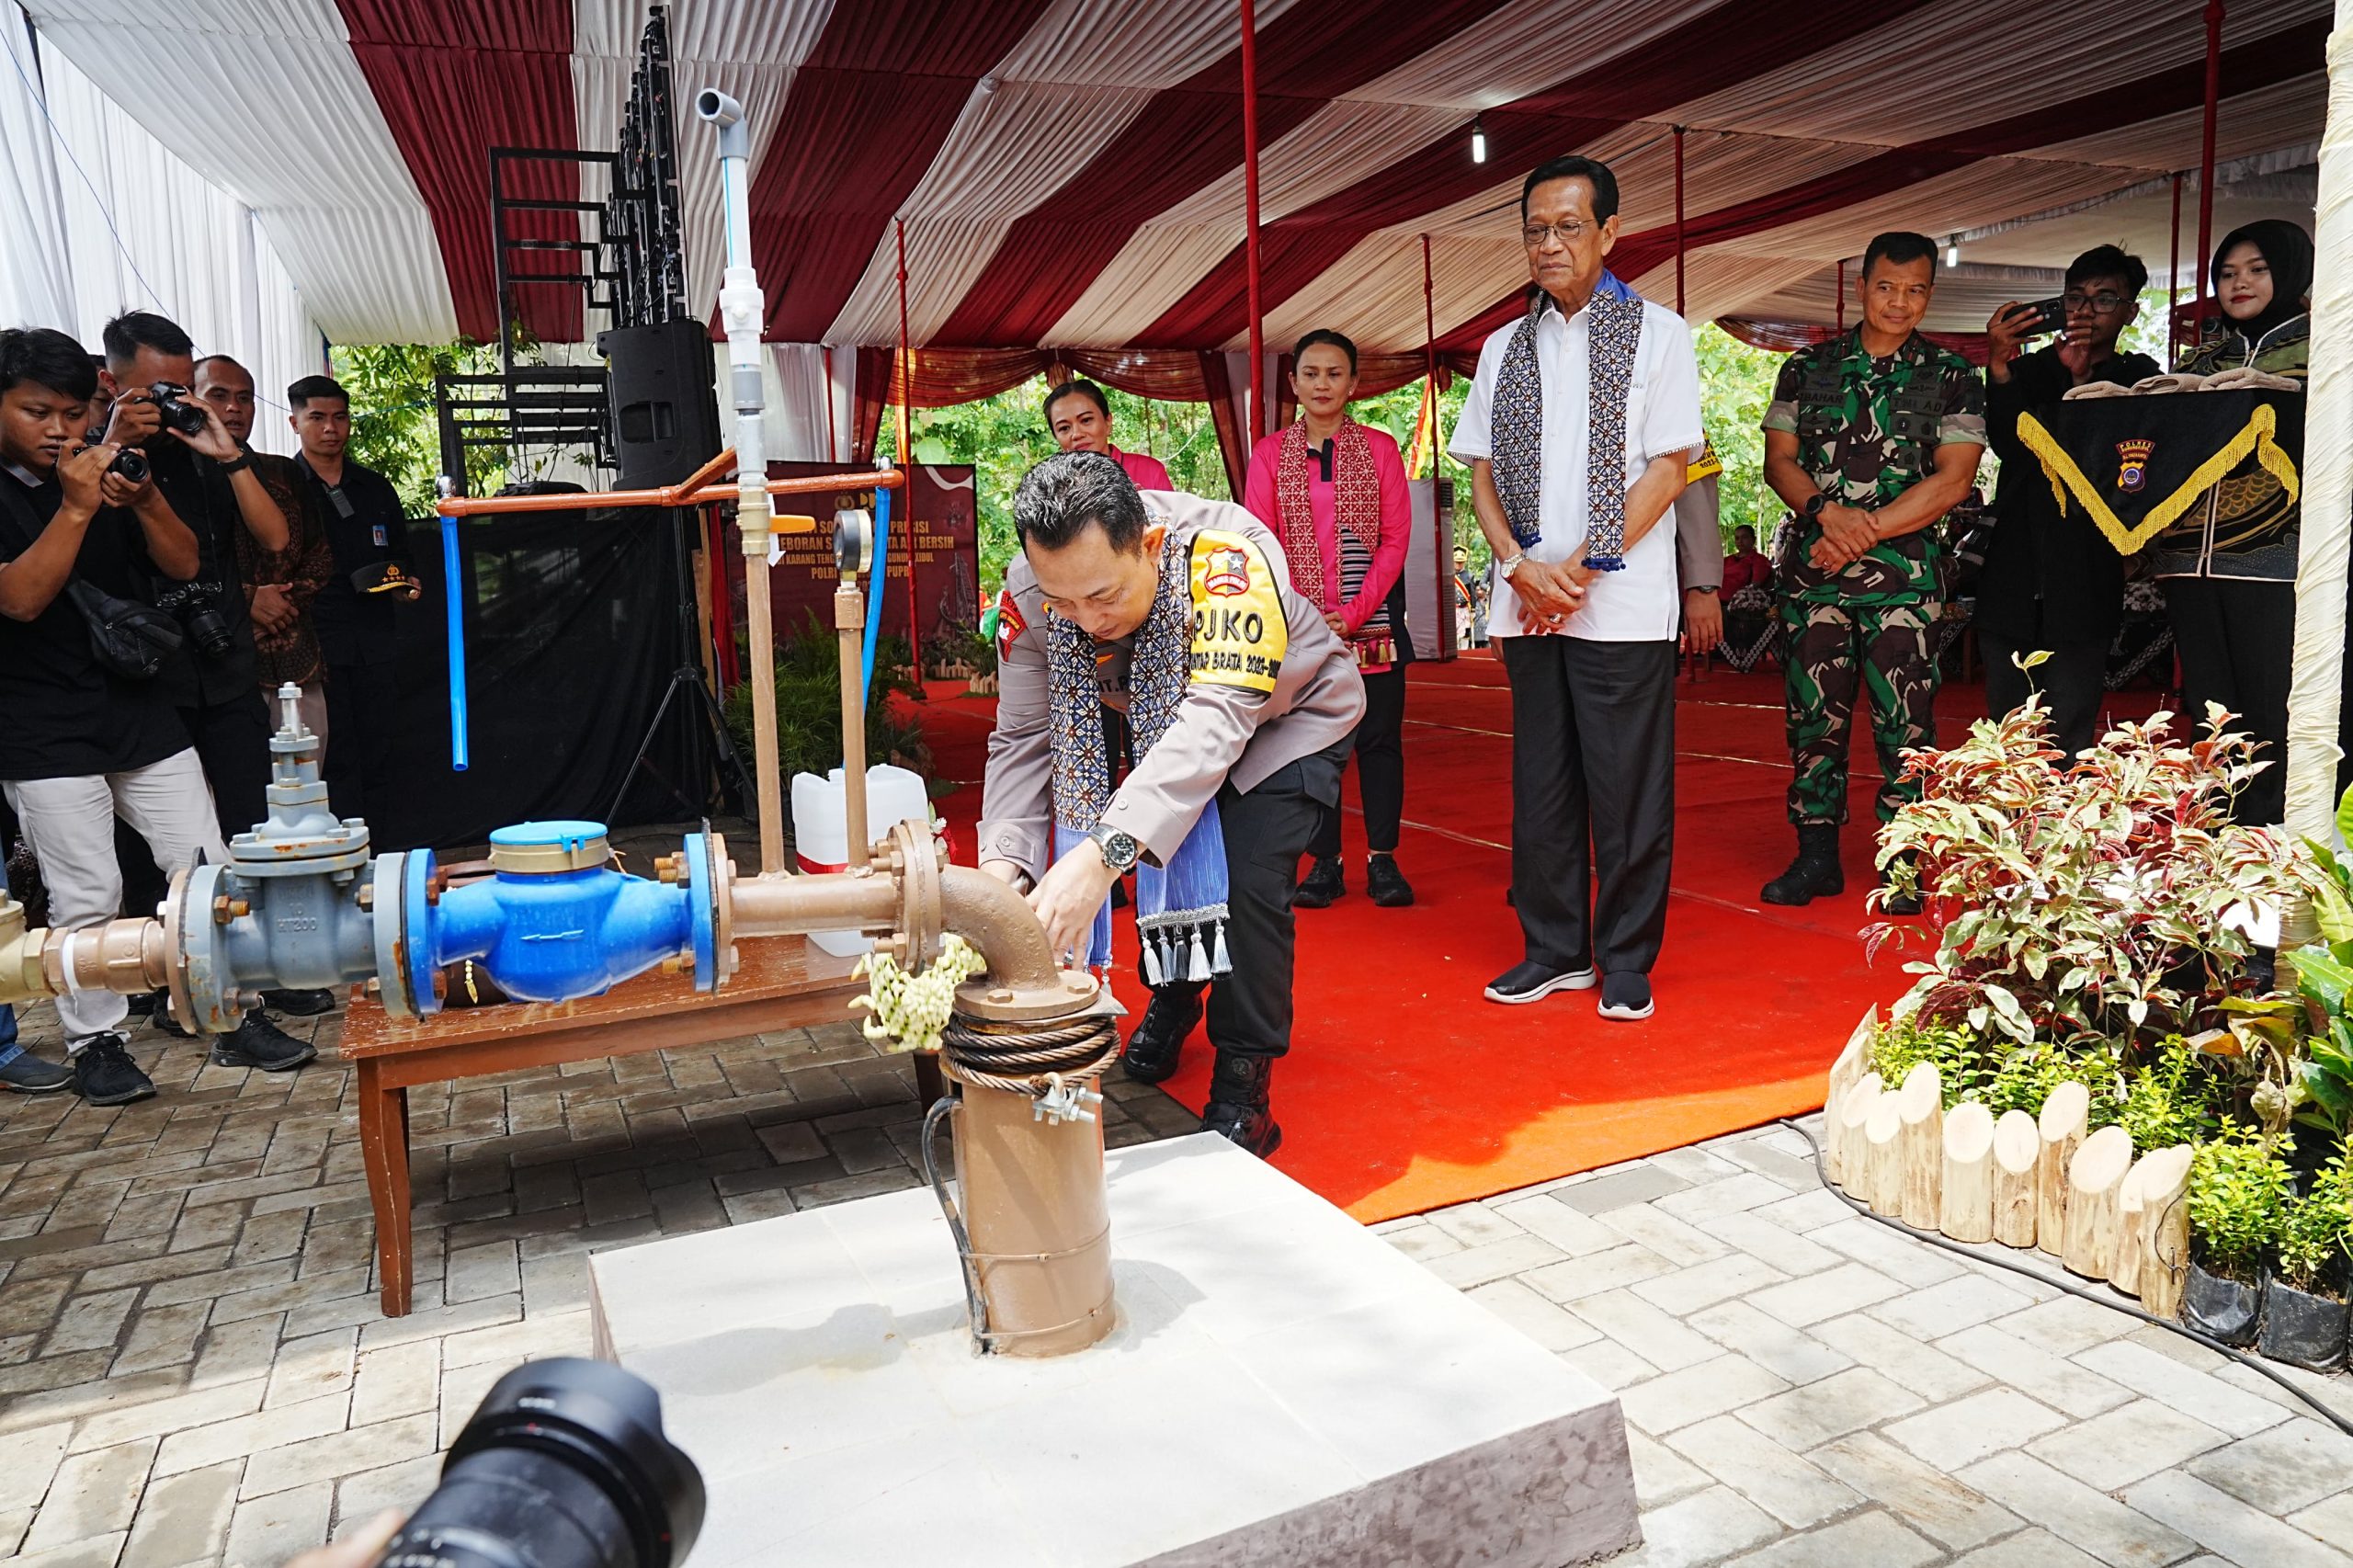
[
  {"x": 1815, "y": 873},
  {"x": 143, "y": 1005},
  {"x": 299, "y": 1003},
  {"x": 29, "y": 1075},
  {"x": 1237, "y": 1103},
  {"x": 104, "y": 1073},
  {"x": 1626, "y": 996},
  {"x": 1322, "y": 884},
  {"x": 1534, "y": 982},
  {"x": 1153, "y": 1048},
  {"x": 1385, "y": 884},
  {"x": 257, "y": 1042}
]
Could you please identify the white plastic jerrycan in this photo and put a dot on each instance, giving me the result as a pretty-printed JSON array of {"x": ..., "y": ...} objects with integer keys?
[{"x": 893, "y": 795}]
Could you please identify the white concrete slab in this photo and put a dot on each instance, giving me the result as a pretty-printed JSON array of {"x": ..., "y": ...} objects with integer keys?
[{"x": 1282, "y": 1386}]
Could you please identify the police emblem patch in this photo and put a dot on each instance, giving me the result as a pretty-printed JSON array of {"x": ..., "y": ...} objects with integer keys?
[
  {"x": 1009, "y": 624},
  {"x": 2133, "y": 464},
  {"x": 1226, "y": 572}
]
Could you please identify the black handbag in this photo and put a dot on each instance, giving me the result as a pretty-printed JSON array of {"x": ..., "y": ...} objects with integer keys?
[{"x": 128, "y": 639}]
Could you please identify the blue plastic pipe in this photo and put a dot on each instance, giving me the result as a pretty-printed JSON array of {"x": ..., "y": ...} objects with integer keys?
[
  {"x": 451, "y": 586},
  {"x": 876, "y": 581}
]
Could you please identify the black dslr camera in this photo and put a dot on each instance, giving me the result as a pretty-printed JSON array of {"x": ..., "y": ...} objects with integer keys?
[
  {"x": 171, "y": 400},
  {"x": 564, "y": 1465},
  {"x": 196, "y": 606}
]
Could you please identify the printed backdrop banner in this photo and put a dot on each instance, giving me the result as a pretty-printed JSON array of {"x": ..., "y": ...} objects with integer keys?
[{"x": 939, "y": 554}]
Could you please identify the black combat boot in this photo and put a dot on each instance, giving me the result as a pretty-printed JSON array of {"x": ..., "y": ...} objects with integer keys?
[
  {"x": 1814, "y": 873},
  {"x": 1322, "y": 884},
  {"x": 1153, "y": 1048},
  {"x": 1237, "y": 1106}
]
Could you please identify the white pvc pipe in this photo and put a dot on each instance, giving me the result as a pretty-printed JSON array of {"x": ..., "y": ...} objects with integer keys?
[{"x": 2327, "y": 502}]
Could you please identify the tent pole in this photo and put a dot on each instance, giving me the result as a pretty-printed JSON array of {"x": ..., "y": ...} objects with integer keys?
[
  {"x": 2314, "y": 692},
  {"x": 1250, "y": 218},
  {"x": 2173, "y": 280},
  {"x": 1678, "y": 220},
  {"x": 2206, "y": 164},
  {"x": 1429, "y": 365},
  {"x": 833, "y": 449},
  {"x": 906, "y": 462},
  {"x": 1842, "y": 294}
]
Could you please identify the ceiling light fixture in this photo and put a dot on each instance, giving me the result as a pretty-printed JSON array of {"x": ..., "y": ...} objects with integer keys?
[{"x": 1477, "y": 141}]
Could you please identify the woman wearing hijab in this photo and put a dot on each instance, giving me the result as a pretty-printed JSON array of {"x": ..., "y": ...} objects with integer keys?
[
  {"x": 2229, "y": 567},
  {"x": 1334, "y": 492}
]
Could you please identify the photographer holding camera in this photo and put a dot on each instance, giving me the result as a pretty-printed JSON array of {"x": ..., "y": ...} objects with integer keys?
[{"x": 207, "y": 475}]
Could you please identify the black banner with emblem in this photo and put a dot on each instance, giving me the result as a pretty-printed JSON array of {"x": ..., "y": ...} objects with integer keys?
[{"x": 2141, "y": 465}]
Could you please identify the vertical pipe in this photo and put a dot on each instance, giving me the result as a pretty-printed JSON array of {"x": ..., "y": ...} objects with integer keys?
[
  {"x": 2173, "y": 279},
  {"x": 832, "y": 443},
  {"x": 455, "y": 600},
  {"x": 849, "y": 620},
  {"x": 1678, "y": 220},
  {"x": 907, "y": 466},
  {"x": 1429, "y": 365},
  {"x": 2206, "y": 162},
  {"x": 1842, "y": 294},
  {"x": 1250, "y": 221}
]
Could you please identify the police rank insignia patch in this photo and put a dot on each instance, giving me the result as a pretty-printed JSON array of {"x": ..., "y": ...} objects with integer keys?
[
  {"x": 1239, "y": 633},
  {"x": 1009, "y": 624},
  {"x": 2133, "y": 464}
]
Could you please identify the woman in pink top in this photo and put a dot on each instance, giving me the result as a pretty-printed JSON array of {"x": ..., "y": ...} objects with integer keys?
[
  {"x": 1080, "y": 417},
  {"x": 1334, "y": 492}
]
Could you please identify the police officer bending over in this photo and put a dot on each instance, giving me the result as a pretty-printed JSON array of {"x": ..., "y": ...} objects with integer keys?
[{"x": 1179, "y": 613}]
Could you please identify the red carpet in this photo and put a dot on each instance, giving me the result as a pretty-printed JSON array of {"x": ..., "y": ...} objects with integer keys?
[{"x": 1405, "y": 1090}]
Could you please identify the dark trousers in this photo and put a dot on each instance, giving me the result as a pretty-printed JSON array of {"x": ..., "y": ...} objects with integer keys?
[
  {"x": 2073, "y": 681},
  {"x": 1266, "y": 833},
  {"x": 1379, "y": 746},
  {"x": 361, "y": 702},
  {"x": 2238, "y": 641},
  {"x": 1592, "y": 798},
  {"x": 232, "y": 739}
]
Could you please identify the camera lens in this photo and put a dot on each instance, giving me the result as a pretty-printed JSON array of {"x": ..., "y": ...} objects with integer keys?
[
  {"x": 564, "y": 1465},
  {"x": 131, "y": 464}
]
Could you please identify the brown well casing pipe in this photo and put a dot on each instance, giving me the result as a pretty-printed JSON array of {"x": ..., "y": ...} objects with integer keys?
[{"x": 1039, "y": 1223}]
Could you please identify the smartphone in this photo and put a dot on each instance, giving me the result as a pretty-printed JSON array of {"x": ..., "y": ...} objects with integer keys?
[{"x": 2049, "y": 315}]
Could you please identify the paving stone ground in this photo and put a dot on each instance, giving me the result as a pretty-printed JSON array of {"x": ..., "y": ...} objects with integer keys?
[{"x": 193, "y": 1370}]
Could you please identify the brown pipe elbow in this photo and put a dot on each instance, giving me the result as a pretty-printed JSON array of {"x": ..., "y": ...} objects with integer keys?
[{"x": 998, "y": 922}]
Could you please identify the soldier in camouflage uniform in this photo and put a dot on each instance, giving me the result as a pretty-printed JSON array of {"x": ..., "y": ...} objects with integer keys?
[{"x": 1872, "y": 438}]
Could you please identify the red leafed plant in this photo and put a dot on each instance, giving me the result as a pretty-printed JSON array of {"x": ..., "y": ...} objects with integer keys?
[{"x": 2102, "y": 901}]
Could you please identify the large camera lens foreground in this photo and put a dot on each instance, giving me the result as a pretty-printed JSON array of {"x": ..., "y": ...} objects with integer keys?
[{"x": 562, "y": 1466}]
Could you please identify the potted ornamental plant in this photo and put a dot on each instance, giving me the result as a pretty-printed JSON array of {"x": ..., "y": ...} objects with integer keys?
[
  {"x": 2238, "y": 1203},
  {"x": 2305, "y": 1308}
]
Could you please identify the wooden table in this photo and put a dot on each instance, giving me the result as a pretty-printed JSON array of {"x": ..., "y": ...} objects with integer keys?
[{"x": 783, "y": 983}]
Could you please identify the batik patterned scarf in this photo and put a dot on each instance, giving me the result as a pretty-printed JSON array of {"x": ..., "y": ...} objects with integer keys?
[
  {"x": 1356, "y": 496},
  {"x": 1614, "y": 336},
  {"x": 1180, "y": 908}
]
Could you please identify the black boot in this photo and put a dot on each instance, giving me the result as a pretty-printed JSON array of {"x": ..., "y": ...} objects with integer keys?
[
  {"x": 1907, "y": 900},
  {"x": 1237, "y": 1108},
  {"x": 1153, "y": 1048},
  {"x": 1322, "y": 884},
  {"x": 1814, "y": 873}
]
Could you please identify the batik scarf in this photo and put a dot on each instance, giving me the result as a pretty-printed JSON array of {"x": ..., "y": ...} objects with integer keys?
[
  {"x": 1614, "y": 336},
  {"x": 1356, "y": 497},
  {"x": 1180, "y": 908}
]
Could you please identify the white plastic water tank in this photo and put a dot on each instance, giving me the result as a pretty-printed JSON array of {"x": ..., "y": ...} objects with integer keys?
[{"x": 893, "y": 795}]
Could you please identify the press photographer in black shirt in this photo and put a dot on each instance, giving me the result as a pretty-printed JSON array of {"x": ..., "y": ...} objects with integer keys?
[
  {"x": 2050, "y": 583},
  {"x": 367, "y": 531},
  {"x": 86, "y": 733}
]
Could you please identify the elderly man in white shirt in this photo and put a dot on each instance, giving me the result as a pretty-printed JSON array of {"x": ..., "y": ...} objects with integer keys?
[{"x": 1578, "y": 431}]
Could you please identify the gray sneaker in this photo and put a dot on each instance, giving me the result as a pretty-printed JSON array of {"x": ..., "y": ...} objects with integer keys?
[{"x": 29, "y": 1075}]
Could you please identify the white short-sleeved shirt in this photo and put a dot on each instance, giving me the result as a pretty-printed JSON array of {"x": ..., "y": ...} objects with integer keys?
[{"x": 1639, "y": 604}]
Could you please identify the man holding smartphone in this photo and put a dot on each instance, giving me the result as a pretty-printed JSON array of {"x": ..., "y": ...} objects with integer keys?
[{"x": 2050, "y": 583}]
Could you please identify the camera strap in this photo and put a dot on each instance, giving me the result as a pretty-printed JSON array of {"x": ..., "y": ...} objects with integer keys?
[{"x": 126, "y": 637}]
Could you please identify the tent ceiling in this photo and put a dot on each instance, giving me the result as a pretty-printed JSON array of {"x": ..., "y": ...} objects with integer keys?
[{"x": 1068, "y": 171}]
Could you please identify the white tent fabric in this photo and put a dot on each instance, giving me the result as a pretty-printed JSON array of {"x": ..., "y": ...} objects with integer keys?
[{"x": 36, "y": 276}]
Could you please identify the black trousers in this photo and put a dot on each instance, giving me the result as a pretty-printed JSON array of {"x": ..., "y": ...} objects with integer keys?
[
  {"x": 232, "y": 739},
  {"x": 1379, "y": 746},
  {"x": 362, "y": 700},
  {"x": 1592, "y": 798},
  {"x": 2238, "y": 641},
  {"x": 2073, "y": 681},
  {"x": 1266, "y": 833}
]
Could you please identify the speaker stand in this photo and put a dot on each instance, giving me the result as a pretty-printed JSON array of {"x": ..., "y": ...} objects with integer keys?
[{"x": 705, "y": 718}]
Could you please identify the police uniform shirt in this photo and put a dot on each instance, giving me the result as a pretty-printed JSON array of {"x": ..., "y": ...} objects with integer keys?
[
  {"x": 364, "y": 527},
  {"x": 1639, "y": 603},
  {"x": 1270, "y": 684}
]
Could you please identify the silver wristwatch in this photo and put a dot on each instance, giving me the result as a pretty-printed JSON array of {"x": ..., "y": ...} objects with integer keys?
[
  {"x": 1120, "y": 851},
  {"x": 1514, "y": 564}
]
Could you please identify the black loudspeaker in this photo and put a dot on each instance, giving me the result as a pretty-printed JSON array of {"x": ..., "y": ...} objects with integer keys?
[{"x": 664, "y": 412}]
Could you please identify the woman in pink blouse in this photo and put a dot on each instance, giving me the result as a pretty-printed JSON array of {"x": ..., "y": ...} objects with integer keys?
[
  {"x": 1334, "y": 492},
  {"x": 1080, "y": 417}
]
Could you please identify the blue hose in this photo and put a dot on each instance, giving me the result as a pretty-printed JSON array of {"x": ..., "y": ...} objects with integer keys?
[
  {"x": 451, "y": 584},
  {"x": 877, "y": 579}
]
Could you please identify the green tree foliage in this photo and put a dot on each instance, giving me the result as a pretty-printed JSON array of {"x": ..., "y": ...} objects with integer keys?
[{"x": 392, "y": 422}]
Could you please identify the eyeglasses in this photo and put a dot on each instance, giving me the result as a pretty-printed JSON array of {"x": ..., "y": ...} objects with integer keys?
[
  {"x": 2107, "y": 302},
  {"x": 1568, "y": 232}
]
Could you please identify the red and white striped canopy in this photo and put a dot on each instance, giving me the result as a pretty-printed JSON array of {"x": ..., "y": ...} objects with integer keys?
[{"x": 1069, "y": 172}]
